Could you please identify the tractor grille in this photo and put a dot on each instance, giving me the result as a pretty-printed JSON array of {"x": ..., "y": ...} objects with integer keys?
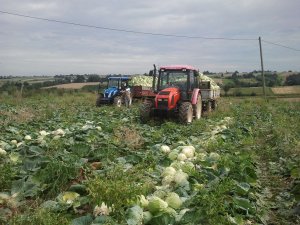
[{"x": 162, "y": 104}]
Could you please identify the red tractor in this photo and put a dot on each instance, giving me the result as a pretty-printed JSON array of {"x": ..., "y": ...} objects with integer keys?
[{"x": 178, "y": 91}]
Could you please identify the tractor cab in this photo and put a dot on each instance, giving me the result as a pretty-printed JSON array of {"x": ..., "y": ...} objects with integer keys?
[
  {"x": 182, "y": 77},
  {"x": 115, "y": 85},
  {"x": 177, "y": 93},
  {"x": 175, "y": 84}
]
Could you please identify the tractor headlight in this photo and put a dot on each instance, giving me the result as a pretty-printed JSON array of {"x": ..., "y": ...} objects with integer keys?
[{"x": 162, "y": 99}]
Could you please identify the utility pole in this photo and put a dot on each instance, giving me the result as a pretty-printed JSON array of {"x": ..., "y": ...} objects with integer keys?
[
  {"x": 262, "y": 68},
  {"x": 21, "y": 91}
]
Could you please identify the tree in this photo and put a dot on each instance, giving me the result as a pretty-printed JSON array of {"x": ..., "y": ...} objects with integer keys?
[
  {"x": 226, "y": 88},
  {"x": 293, "y": 79},
  {"x": 271, "y": 79},
  {"x": 93, "y": 78},
  {"x": 79, "y": 79},
  {"x": 235, "y": 74}
]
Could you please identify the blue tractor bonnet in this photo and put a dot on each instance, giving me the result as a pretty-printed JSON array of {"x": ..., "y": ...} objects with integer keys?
[{"x": 110, "y": 92}]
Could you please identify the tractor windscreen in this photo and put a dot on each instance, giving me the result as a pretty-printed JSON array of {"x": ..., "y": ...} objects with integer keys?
[
  {"x": 173, "y": 78},
  {"x": 113, "y": 83}
]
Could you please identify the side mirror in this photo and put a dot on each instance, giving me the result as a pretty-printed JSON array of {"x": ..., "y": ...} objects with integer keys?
[
  {"x": 151, "y": 73},
  {"x": 196, "y": 73}
]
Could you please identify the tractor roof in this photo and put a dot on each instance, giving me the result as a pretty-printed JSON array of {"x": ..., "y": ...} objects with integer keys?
[
  {"x": 178, "y": 67},
  {"x": 118, "y": 78}
]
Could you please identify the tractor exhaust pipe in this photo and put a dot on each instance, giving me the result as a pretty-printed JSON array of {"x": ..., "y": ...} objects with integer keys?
[{"x": 154, "y": 78}]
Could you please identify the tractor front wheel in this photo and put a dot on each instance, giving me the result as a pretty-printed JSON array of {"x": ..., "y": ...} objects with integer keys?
[
  {"x": 145, "y": 111},
  {"x": 186, "y": 113},
  {"x": 118, "y": 101}
]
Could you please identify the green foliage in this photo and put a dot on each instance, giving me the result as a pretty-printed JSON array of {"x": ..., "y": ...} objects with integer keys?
[
  {"x": 253, "y": 79},
  {"x": 6, "y": 175},
  {"x": 83, "y": 220},
  {"x": 93, "y": 78},
  {"x": 90, "y": 88},
  {"x": 56, "y": 175},
  {"x": 107, "y": 155},
  {"x": 227, "y": 87},
  {"x": 249, "y": 91},
  {"x": 293, "y": 79},
  {"x": 41, "y": 217},
  {"x": 79, "y": 79},
  {"x": 119, "y": 189}
]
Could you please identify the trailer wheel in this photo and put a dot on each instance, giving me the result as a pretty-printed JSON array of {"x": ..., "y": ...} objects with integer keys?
[
  {"x": 198, "y": 108},
  {"x": 145, "y": 111},
  {"x": 186, "y": 113},
  {"x": 208, "y": 106},
  {"x": 214, "y": 105},
  {"x": 118, "y": 101}
]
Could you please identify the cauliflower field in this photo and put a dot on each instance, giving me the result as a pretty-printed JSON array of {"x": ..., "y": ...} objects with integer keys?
[{"x": 64, "y": 161}]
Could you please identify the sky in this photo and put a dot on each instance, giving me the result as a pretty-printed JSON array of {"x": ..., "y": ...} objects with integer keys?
[{"x": 36, "y": 47}]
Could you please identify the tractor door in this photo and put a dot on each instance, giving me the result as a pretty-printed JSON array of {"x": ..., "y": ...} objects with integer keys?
[
  {"x": 191, "y": 81},
  {"x": 186, "y": 93}
]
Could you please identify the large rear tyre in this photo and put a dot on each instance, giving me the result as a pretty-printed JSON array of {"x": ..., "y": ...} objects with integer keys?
[
  {"x": 198, "y": 108},
  {"x": 145, "y": 111},
  {"x": 186, "y": 113},
  {"x": 118, "y": 101}
]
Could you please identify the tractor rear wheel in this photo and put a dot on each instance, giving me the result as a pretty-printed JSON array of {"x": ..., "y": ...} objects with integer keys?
[
  {"x": 118, "y": 101},
  {"x": 186, "y": 113},
  {"x": 198, "y": 108},
  {"x": 145, "y": 111}
]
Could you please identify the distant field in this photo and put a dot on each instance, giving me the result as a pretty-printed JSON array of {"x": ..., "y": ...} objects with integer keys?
[
  {"x": 218, "y": 80},
  {"x": 248, "y": 80},
  {"x": 287, "y": 90},
  {"x": 249, "y": 91},
  {"x": 73, "y": 85},
  {"x": 30, "y": 80}
]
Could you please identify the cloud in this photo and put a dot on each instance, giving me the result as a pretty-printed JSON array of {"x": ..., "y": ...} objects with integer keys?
[{"x": 38, "y": 47}]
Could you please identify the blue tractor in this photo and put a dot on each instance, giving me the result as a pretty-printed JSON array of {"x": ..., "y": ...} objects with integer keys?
[{"x": 117, "y": 92}]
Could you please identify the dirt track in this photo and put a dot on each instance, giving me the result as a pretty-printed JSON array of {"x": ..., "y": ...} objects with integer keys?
[
  {"x": 73, "y": 85},
  {"x": 286, "y": 90}
]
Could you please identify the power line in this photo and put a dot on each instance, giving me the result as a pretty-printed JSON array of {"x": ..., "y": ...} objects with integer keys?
[
  {"x": 127, "y": 31},
  {"x": 144, "y": 33},
  {"x": 272, "y": 43}
]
